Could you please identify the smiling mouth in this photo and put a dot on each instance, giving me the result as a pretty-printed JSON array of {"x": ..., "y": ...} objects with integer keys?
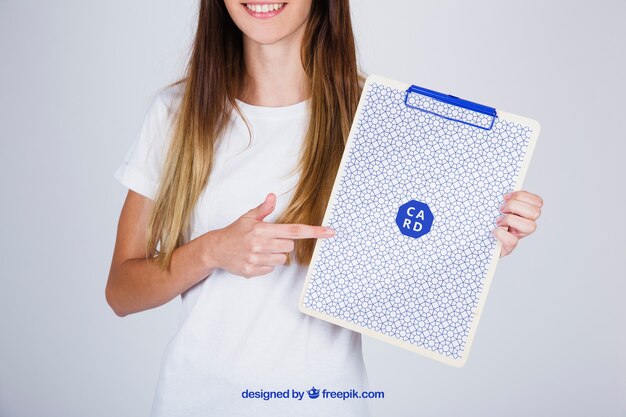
[{"x": 263, "y": 10}]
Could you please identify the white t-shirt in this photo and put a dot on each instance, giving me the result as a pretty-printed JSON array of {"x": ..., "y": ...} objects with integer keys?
[{"x": 237, "y": 334}]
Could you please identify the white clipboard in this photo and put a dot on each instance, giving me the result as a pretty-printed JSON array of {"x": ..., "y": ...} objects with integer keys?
[{"x": 413, "y": 205}]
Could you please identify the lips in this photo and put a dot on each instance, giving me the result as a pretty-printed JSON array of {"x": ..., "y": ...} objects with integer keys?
[{"x": 263, "y": 10}]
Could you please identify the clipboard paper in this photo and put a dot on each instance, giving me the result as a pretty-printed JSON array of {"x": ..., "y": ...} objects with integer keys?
[{"x": 391, "y": 271}]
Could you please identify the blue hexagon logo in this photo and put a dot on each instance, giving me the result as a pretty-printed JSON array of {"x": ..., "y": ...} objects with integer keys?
[{"x": 414, "y": 219}]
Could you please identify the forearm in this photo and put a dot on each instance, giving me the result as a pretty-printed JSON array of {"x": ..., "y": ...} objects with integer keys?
[{"x": 139, "y": 284}]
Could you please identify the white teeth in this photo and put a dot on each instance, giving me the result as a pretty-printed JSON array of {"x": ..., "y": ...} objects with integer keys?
[{"x": 258, "y": 8}]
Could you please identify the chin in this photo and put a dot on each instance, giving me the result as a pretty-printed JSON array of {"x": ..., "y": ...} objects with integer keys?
[{"x": 265, "y": 38}]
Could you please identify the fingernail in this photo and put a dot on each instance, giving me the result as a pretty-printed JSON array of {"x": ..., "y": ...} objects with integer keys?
[
  {"x": 507, "y": 196},
  {"x": 329, "y": 231}
]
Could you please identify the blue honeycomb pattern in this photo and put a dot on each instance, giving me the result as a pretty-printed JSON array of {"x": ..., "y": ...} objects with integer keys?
[{"x": 421, "y": 291}]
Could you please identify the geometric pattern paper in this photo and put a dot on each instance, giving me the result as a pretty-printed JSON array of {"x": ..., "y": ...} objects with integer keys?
[{"x": 421, "y": 294}]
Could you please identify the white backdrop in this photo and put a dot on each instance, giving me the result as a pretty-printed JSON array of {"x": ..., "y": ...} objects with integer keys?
[{"x": 75, "y": 81}]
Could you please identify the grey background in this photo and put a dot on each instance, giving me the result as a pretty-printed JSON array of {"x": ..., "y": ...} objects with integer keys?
[{"x": 75, "y": 81}]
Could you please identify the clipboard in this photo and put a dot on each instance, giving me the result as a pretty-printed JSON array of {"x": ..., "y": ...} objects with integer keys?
[{"x": 415, "y": 199}]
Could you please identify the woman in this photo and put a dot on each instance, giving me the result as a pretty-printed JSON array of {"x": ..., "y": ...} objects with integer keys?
[{"x": 269, "y": 93}]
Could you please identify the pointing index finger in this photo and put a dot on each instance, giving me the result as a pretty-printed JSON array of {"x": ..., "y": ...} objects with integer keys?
[{"x": 300, "y": 231}]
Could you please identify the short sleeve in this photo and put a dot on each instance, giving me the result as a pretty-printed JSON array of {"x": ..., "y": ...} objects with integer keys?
[{"x": 143, "y": 163}]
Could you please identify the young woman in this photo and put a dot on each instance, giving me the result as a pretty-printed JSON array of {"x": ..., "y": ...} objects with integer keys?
[{"x": 228, "y": 182}]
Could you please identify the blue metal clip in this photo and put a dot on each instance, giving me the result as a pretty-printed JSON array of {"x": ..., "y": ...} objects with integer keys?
[{"x": 452, "y": 100}]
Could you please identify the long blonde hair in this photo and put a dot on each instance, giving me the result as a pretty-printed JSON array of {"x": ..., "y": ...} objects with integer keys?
[{"x": 214, "y": 76}]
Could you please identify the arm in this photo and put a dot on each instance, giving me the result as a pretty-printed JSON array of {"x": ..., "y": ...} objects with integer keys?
[{"x": 136, "y": 283}]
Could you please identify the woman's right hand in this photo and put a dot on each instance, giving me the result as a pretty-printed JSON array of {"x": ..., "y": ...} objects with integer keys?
[{"x": 250, "y": 247}]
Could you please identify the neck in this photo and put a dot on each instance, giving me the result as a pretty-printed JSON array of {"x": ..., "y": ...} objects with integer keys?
[{"x": 274, "y": 73}]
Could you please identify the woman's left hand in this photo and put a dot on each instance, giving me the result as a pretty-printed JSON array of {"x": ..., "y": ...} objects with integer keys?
[{"x": 520, "y": 210}]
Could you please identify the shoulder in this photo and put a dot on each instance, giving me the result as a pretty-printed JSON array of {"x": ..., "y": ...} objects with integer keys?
[
  {"x": 167, "y": 100},
  {"x": 159, "y": 116},
  {"x": 161, "y": 112}
]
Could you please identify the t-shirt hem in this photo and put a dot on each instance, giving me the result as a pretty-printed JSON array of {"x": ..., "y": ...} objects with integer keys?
[{"x": 135, "y": 180}]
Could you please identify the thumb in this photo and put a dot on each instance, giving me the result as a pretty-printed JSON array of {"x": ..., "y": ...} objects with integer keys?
[{"x": 263, "y": 209}]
